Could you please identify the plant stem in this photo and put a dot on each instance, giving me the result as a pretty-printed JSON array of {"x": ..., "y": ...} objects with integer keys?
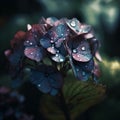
[{"x": 64, "y": 106}]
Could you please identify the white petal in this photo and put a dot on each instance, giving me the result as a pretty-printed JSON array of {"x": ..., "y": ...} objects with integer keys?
[{"x": 29, "y": 27}]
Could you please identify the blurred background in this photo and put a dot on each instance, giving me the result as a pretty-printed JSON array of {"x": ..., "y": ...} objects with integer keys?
[{"x": 103, "y": 15}]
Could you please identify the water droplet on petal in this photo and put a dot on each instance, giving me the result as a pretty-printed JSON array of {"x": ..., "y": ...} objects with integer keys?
[
  {"x": 63, "y": 38},
  {"x": 57, "y": 51},
  {"x": 52, "y": 41},
  {"x": 73, "y": 24},
  {"x": 31, "y": 43},
  {"x": 27, "y": 41},
  {"x": 56, "y": 55},
  {"x": 39, "y": 85},
  {"x": 74, "y": 50},
  {"x": 78, "y": 55},
  {"x": 61, "y": 60},
  {"x": 58, "y": 58},
  {"x": 83, "y": 73},
  {"x": 83, "y": 48}
]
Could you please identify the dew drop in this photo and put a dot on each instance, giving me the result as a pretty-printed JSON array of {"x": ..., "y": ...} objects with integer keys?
[
  {"x": 56, "y": 55},
  {"x": 83, "y": 48},
  {"x": 80, "y": 60},
  {"x": 74, "y": 50},
  {"x": 63, "y": 38},
  {"x": 73, "y": 24},
  {"x": 31, "y": 43},
  {"x": 83, "y": 73},
  {"x": 53, "y": 47},
  {"x": 57, "y": 51},
  {"x": 61, "y": 60},
  {"x": 39, "y": 85},
  {"x": 78, "y": 55},
  {"x": 51, "y": 41},
  {"x": 27, "y": 41}
]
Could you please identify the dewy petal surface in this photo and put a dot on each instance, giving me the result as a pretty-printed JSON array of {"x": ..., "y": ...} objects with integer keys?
[
  {"x": 83, "y": 69},
  {"x": 80, "y": 49}
]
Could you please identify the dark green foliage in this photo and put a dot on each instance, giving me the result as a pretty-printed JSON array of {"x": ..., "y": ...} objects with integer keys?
[{"x": 79, "y": 96}]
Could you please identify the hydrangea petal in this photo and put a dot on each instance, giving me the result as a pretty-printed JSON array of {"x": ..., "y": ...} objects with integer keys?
[
  {"x": 51, "y": 20},
  {"x": 56, "y": 35},
  {"x": 83, "y": 69},
  {"x": 56, "y": 83},
  {"x": 34, "y": 53},
  {"x": 45, "y": 81},
  {"x": 74, "y": 25},
  {"x": 82, "y": 53},
  {"x": 45, "y": 41}
]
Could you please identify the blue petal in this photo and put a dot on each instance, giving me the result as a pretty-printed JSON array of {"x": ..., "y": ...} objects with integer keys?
[
  {"x": 44, "y": 86},
  {"x": 36, "y": 77},
  {"x": 56, "y": 80},
  {"x": 16, "y": 57},
  {"x": 45, "y": 42},
  {"x": 46, "y": 79},
  {"x": 53, "y": 92},
  {"x": 34, "y": 53},
  {"x": 83, "y": 70},
  {"x": 82, "y": 75}
]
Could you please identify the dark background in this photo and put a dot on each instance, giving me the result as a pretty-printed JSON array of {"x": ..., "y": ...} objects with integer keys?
[{"x": 103, "y": 15}]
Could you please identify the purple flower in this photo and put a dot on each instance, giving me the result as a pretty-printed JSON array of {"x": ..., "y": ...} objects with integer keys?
[
  {"x": 56, "y": 45},
  {"x": 47, "y": 79},
  {"x": 53, "y": 41},
  {"x": 33, "y": 50},
  {"x": 56, "y": 35},
  {"x": 16, "y": 54},
  {"x": 80, "y": 49}
]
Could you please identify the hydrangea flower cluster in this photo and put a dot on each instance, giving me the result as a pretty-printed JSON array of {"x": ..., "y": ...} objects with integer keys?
[{"x": 66, "y": 43}]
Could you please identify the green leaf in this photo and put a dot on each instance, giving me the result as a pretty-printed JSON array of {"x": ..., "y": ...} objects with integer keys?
[{"x": 79, "y": 96}]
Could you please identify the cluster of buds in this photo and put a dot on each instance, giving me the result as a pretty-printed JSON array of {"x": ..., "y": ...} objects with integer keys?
[{"x": 66, "y": 43}]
